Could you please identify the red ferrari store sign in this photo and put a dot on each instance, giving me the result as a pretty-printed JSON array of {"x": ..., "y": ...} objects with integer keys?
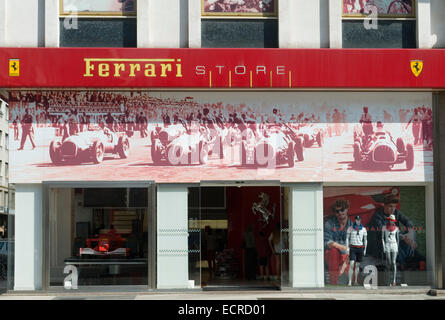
[{"x": 221, "y": 68}]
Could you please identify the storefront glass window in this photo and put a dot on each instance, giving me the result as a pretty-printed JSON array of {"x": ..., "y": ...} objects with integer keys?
[
  {"x": 388, "y": 24},
  {"x": 375, "y": 236},
  {"x": 240, "y": 237},
  {"x": 99, "y": 235},
  {"x": 237, "y": 33},
  {"x": 97, "y": 32},
  {"x": 105, "y": 23}
]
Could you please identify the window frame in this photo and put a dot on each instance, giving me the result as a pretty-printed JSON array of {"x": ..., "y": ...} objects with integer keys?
[
  {"x": 238, "y": 15},
  {"x": 413, "y": 14},
  {"x": 63, "y": 13}
]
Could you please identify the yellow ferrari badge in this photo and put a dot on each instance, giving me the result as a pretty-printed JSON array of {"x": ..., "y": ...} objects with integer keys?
[
  {"x": 14, "y": 67},
  {"x": 417, "y": 67}
]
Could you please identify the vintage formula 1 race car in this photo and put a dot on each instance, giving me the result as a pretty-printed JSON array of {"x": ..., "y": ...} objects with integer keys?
[
  {"x": 311, "y": 135},
  {"x": 379, "y": 150},
  {"x": 180, "y": 148},
  {"x": 275, "y": 148},
  {"x": 89, "y": 146}
]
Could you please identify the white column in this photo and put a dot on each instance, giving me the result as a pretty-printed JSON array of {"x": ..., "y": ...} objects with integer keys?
[
  {"x": 287, "y": 32},
  {"x": 194, "y": 23},
  {"x": 301, "y": 23},
  {"x": 166, "y": 19},
  {"x": 25, "y": 23},
  {"x": 172, "y": 236},
  {"x": 335, "y": 24},
  {"x": 28, "y": 251},
  {"x": 52, "y": 28},
  {"x": 3, "y": 17},
  {"x": 143, "y": 13},
  {"x": 306, "y": 236},
  {"x": 424, "y": 24}
]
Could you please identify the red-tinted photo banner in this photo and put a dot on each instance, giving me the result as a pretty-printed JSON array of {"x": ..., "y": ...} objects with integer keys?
[{"x": 221, "y": 68}]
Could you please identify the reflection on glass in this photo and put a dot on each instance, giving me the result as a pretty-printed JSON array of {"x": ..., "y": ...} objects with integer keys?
[
  {"x": 194, "y": 237},
  {"x": 381, "y": 227},
  {"x": 285, "y": 278},
  {"x": 235, "y": 237}
]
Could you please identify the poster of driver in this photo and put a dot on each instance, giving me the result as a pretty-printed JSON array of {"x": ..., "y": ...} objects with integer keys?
[
  {"x": 356, "y": 220},
  {"x": 383, "y": 7},
  {"x": 196, "y": 136}
]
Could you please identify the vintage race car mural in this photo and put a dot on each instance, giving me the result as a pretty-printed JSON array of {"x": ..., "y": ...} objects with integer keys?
[
  {"x": 311, "y": 135},
  {"x": 89, "y": 146},
  {"x": 176, "y": 147},
  {"x": 161, "y": 137},
  {"x": 379, "y": 150},
  {"x": 273, "y": 148}
]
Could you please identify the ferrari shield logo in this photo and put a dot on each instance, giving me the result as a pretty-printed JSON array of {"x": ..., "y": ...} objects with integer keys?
[
  {"x": 417, "y": 67},
  {"x": 14, "y": 67}
]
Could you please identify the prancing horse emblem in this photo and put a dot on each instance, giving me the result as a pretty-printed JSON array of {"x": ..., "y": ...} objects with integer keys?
[
  {"x": 417, "y": 67},
  {"x": 260, "y": 208}
]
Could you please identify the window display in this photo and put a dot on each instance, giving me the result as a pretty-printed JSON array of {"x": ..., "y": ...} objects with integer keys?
[
  {"x": 356, "y": 243},
  {"x": 102, "y": 243},
  {"x": 379, "y": 226},
  {"x": 239, "y": 244}
]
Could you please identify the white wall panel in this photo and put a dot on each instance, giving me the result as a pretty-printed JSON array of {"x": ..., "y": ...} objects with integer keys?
[
  {"x": 28, "y": 237},
  {"x": 25, "y": 23},
  {"x": 306, "y": 236},
  {"x": 172, "y": 236},
  {"x": 335, "y": 24}
]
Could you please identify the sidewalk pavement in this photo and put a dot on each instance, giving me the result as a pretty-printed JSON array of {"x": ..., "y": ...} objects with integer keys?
[{"x": 359, "y": 294}]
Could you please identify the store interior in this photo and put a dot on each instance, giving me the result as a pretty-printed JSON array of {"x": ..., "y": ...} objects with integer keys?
[
  {"x": 104, "y": 235},
  {"x": 238, "y": 234}
]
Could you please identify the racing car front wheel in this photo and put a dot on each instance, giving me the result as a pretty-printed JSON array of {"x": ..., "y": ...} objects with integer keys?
[
  {"x": 307, "y": 141},
  {"x": 320, "y": 139},
  {"x": 400, "y": 145},
  {"x": 409, "y": 156},
  {"x": 123, "y": 147},
  {"x": 357, "y": 157},
  {"x": 299, "y": 149},
  {"x": 155, "y": 154},
  {"x": 291, "y": 155},
  {"x": 98, "y": 152},
  {"x": 54, "y": 152}
]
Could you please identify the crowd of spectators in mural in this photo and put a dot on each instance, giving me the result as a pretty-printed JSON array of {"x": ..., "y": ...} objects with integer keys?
[
  {"x": 72, "y": 111},
  {"x": 392, "y": 7},
  {"x": 234, "y": 6}
]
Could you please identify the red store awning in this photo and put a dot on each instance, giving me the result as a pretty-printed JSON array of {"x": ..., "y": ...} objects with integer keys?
[{"x": 222, "y": 68}]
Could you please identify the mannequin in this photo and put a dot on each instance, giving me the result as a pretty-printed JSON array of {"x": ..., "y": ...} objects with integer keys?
[
  {"x": 390, "y": 241},
  {"x": 356, "y": 242}
]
